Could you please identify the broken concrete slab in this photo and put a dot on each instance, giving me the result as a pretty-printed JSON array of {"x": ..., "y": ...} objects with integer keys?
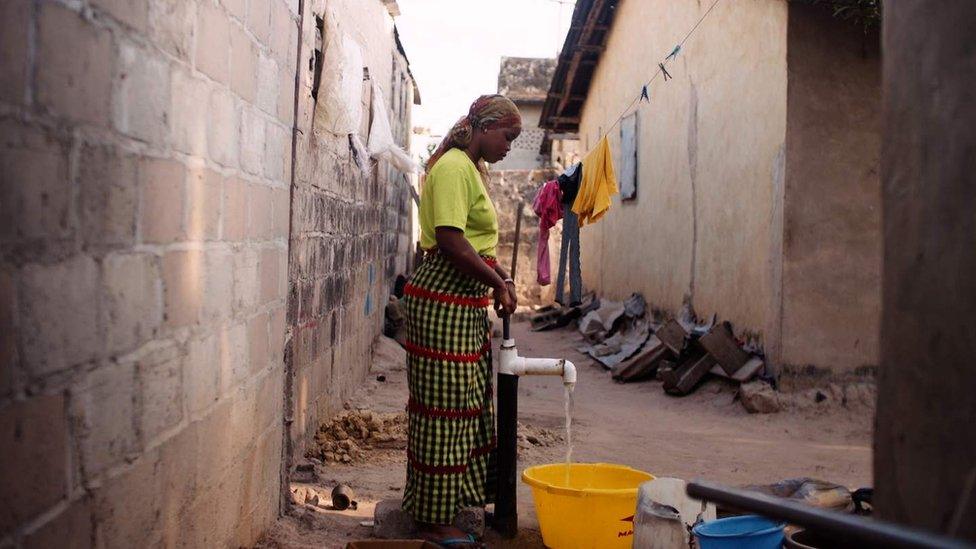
[
  {"x": 644, "y": 364},
  {"x": 686, "y": 377},
  {"x": 748, "y": 371},
  {"x": 673, "y": 336},
  {"x": 720, "y": 343}
]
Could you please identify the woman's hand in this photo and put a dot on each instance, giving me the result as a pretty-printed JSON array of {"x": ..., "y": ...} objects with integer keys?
[
  {"x": 510, "y": 284},
  {"x": 504, "y": 300}
]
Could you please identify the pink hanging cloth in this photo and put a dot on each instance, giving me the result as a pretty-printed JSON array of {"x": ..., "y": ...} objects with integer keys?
[{"x": 548, "y": 207}]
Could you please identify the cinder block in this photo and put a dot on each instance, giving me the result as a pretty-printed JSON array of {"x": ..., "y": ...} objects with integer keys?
[
  {"x": 283, "y": 31},
  {"x": 190, "y": 100},
  {"x": 204, "y": 195},
  {"x": 201, "y": 373},
  {"x": 35, "y": 198},
  {"x": 104, "y": 412},
  {"x": 281, "y": 209},
  {"x": 247, "y": 279},
  {"x": 277, "y": 335},
  {"x": 259, "y": 19},
  {"x": 213, "y": 37},
  {"x": 267, "y": 92},
  {"x": 34, "y": 458},
  {"x": 235, "y": 209},
  {"x": 183, "y": 273},
  {"x": 243, "y": 63},
  {"x": 58, "y": 315},
  {"x": 223, "y": 133},
  {"x": 277, "y": 153},
  {"x": 233, "y": 357},
  {"x": 77, "y": 60},
  {"x": 72, "y": 529},
  {"x": 131, "y": 300},
  {"x": 260, "y": 212},
  {"x": 14, "y": 25},
  {"x": 172, "y": 26},
  {"x": 163, "y": 193},
  {"x": 133, "y": 13},
  {"x": 160, "y": 380},
  {"x": 218, "y": 285},
  {"x": 270, "y": 274},
  {"x": 286, "y": 96},
  {"x": 258, "y": 342},
  {"x": 252, "y": 141},
  {"x": 108, "y": 196},
  {"x": 141, "y": 107},
  {"x": 118, "y": 520}
]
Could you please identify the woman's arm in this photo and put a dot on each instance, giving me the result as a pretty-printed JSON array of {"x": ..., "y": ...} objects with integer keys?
[{"x": 457, "y": 250}]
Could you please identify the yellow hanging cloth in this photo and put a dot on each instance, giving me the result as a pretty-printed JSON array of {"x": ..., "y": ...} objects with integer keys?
[{"x": 598, "y": 184}]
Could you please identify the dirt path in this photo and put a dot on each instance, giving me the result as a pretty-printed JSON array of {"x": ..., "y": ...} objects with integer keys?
[{"x": 704, "y": 435}]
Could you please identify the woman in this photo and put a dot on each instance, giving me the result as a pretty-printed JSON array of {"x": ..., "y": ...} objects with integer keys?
[{"x": 451, "y": 419}]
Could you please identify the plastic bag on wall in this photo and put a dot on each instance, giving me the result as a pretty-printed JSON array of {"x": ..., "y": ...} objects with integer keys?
[
  {"x": 338, "y": 108},
  {"x": 381, "y": 144}
]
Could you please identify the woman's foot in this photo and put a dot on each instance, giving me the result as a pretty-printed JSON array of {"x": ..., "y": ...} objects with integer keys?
[{"x": 448, "y": 536}]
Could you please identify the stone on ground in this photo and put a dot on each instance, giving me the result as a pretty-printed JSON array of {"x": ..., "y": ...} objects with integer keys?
[
  {"x": 390, "y": 521},
  {"x": 759, "y": 397}
]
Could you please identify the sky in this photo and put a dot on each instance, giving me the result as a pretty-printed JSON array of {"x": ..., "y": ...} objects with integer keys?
[{"x": 455, "y": 47}]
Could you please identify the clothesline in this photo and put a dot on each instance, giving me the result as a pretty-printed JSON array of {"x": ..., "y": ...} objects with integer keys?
[{"x": 661, "y": 69}]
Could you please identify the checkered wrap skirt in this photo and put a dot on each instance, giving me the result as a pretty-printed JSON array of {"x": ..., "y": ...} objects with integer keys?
[{"x": 450, "y": 458}]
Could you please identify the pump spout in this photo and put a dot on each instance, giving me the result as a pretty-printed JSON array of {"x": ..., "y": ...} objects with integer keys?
[{"x": 511, "y": 364}]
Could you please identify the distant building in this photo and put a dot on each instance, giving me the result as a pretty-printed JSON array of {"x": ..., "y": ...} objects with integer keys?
[{"x": 525, "y": 80}]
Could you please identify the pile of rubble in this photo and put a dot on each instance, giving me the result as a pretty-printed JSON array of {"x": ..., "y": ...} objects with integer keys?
[
  {"x": 529, "y": 437},
  {"x": 352, "y": 433},
  {"x": 680, "y": 352}
]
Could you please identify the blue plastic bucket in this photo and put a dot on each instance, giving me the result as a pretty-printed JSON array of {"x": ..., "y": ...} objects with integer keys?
[{"x": 747, "y": 532}]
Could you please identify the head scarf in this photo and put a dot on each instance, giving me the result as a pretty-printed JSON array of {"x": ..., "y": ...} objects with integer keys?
[{"x": 488, "y": 112}]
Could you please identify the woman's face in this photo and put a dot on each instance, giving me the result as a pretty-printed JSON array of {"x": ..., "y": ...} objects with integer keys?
[{"x": 496, "y": 143}]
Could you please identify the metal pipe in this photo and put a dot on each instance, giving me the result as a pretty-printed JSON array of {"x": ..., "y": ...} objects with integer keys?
[
  {"x": 839, "y": 527},
  {"x": 506, "y": 502}
]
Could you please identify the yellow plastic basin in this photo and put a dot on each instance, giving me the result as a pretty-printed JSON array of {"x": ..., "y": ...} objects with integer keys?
[{"x": 596, "y": 509}]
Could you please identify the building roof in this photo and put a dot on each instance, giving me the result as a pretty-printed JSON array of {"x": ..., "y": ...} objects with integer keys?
[
  {"x": 525, "y": 79},
  {"x": 585, "y": 42},
  {"x": 403, "y": 52}
]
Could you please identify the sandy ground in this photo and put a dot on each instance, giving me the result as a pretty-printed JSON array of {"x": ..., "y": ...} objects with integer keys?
[{"x": 705, "y": 435}]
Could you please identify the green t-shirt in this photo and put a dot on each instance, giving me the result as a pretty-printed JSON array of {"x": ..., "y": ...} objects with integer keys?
[{"x": 454, "y": 196}]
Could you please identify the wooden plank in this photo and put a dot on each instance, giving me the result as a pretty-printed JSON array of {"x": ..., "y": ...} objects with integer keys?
[
  {"x": 578, "y": 53},
  {"x": 673, "y": 336},
  {"x": 722, "y": 346}
]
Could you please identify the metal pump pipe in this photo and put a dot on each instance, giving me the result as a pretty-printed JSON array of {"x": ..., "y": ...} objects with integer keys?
[{"x": 510, "y": 367}]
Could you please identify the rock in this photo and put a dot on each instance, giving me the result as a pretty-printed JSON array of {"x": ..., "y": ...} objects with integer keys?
[
  {"x": 533, "y": 440},
  {"x": 299, "y": 494},
  {"x": 388, "y": 355},
  {"x": 471, "y": 520},
  {"x": 759, "y": 398},
  {"x": 390, "y": 521},
  {"x": 346, "y": 458}
]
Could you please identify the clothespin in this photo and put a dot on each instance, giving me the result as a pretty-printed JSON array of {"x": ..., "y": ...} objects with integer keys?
[
  {"x": 644, "y": 95},
  {"x": 665, "y": 71},
  {"x": 674, "y": 52}
]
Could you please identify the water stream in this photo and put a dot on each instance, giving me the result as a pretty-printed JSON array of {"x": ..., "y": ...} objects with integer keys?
[{"x": 569, "y": 427}]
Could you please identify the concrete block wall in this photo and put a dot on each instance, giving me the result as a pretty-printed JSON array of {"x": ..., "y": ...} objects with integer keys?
[
  {"x": 347, "y": 237},
  {"x": 145, "y": 154}
]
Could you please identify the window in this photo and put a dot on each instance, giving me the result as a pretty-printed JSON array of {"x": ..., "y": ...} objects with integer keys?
[{"x": 628, "y": 157}]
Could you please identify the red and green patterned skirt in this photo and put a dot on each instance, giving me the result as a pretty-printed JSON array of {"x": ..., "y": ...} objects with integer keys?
[{"x": 450, "y": 462}]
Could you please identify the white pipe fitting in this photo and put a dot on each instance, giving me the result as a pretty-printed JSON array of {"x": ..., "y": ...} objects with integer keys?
[{"x": 510, "y": 363}]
